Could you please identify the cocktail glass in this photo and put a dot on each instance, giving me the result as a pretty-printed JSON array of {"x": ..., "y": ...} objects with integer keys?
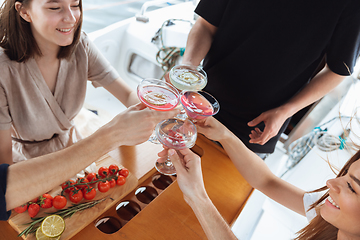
[
  {"x": 157, "y": 95},
  {"x": 199, "y": 105},
  {"x": 177, "y": 134},
  {"x": 187, "y": 78}
]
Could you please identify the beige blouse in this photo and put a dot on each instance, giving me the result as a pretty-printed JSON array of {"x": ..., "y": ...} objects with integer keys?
[{"x": 42, "y": 122}]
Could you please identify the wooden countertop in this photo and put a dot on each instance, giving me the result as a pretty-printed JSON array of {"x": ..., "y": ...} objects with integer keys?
[{"x": 168, "y": 216}]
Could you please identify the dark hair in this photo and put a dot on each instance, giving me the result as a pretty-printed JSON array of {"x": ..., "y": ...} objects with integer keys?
[
  {"x": 318, "y": 228},
  {"x": 16, "y": 37}
]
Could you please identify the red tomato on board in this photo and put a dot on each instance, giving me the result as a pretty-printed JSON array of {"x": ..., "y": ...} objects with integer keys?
[
  {"x": 104, "y": 186},
  {"x": 82, "y": 180},
  {"x": 113, "y": 169},
  {"x": 59, "y": 202},
  {"x": 21, "y": 208},
  {"x": 103, "y": 171},
  {"x": 89, "y": 193},
  {"x": 124, "y": 172},
  {"x": 46, "y": 201},
  {"x": 91, "y": 177},
  {"x": 35, "y": 200},
  {"x": 66, "y": 184},
  {"x": 76, "y": 195},
  {"x": 112, "y": 183},
  {"x": 33, "y": 209},
  {"x": 121, "y": 180}
]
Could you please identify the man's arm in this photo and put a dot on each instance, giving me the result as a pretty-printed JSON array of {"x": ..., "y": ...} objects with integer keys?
[
  {"x": 325, "y": 81},
  {"x": 198, "y": 42}
]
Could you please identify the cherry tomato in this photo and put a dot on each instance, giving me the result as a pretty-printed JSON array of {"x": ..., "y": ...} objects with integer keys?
[
  {"x": 21, "y": 209},
  {"x": 121, "y": 180},
  {"x": 33, "y": 209},
  {"x": 104, "y": 186},
  {"x": 89, "y": 193},
  {"x": 59, "y": 202},
  {"x": 112, "y": 183},
  {"x": 82, "y": 180},
  {"x": 35, "y": 200},
  {"x": 66, "y": 184},
  {"x": 46, "y": 201},
  {"x": 113, "y": 169},
  {"x": 103, "y": 171},
  {"x": 76, "y": 195},
  {"x": 91, "y": 177},
  {"x": 124, "y": 172}
]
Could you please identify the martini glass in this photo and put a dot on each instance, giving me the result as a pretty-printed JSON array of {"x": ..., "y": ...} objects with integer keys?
[
  {"x": 199, "y": 105},
  {"x": 157, "y": 95},
  {"x": 187, "y": 78},
  {"x": 177, "y": 134}
]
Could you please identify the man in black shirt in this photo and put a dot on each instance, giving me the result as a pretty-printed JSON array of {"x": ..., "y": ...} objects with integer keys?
[{"x": 261, "y": 55}]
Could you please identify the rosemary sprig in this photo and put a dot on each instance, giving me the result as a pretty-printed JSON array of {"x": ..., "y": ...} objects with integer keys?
[{"x": 64, "y": 213}]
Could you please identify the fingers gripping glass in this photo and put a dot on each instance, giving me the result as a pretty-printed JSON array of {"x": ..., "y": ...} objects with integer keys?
[
  {"x": 157, "y": 95},
  {"x": 177, "y": 134}
]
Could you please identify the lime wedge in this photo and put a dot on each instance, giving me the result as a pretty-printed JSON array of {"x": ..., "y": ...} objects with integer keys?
[
  {"x": 155, "y": 98},
  {"x": 40, "y": 236},
  {"x": 53, "y": 226},
  {"x": 189, "y": 77}
]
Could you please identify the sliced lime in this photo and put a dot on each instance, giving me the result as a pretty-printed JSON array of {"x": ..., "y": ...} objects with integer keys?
[
  {"x": 40, "y": 236},
  {"x": 53, "y": 226}
]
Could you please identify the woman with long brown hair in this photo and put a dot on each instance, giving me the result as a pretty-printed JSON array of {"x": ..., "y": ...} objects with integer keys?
[
  {"x": 337, "y": 211},
  {"x": 45, "y": 62}
]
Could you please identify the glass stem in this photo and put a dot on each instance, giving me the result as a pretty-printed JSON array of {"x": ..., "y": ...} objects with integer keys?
[{"x": 168, "y": 162}]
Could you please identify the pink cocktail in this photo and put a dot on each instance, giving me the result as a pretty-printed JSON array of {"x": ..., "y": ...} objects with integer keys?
[
  {"x": 199, "y": 105},
  {"x": 158, "y": 95},
  {"x": 176, "y": 134}
]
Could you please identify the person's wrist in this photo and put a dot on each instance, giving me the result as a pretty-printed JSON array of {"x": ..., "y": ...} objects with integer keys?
[
  {"x": 287, "y": 110},
  {"x": 108, "y": 138},
  {"x": 197, "y": 199},
  {"x": 188, "y": 62},
  {"x": 199, "y": 203}
]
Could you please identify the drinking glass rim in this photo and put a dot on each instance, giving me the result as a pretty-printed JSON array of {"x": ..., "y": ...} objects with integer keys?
[
  {"x": 158, "y": 82},
  {"x": 199, "y": 92},
  {"x": 158, "y": 131},
  {"x": 199, "y": 69}
]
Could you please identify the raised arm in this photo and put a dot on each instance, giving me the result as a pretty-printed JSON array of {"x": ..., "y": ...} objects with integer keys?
[
  {"x": 198, "y": 42},
  {"x": 253, "y": 169}
]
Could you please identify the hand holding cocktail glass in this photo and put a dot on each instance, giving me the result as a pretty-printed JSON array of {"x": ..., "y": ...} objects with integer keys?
[
  {"x": 157, "y": 95},
  {"x": 198, "y": 105},
  {"x": 176, "y": 134}
]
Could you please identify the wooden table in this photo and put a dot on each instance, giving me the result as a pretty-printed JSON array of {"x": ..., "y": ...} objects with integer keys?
[{"x": 168, "y": 216}]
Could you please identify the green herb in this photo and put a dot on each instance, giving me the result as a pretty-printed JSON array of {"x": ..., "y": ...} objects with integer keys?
[{"x": 64, "y": 213}]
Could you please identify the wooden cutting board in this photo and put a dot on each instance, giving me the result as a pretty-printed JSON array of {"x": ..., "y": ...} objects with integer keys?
[{"x": 80, "y": 220}]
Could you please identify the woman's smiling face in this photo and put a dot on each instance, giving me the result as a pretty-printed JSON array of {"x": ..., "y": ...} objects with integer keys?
[
  {"x": 342, "y": 207},
  {"x": 53, "y": 22}
]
